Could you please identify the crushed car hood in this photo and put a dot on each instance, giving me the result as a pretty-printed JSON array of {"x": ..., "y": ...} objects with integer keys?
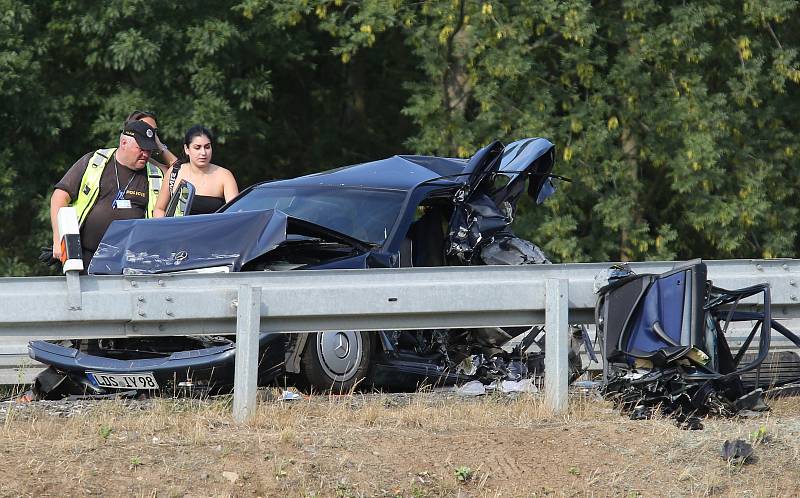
[{"x": 202, "y": 241}]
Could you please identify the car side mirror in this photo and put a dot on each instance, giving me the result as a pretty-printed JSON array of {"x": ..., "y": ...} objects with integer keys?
[{"x": 181, "y": 201}]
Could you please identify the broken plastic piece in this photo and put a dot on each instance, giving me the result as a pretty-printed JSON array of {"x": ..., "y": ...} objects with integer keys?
[
  {"x": 518, "y": 386},
  {"x": 473, "y": 388},
  {"x": 752, "y": 401},
  {"x": 736, "y": 451},
  {"x": 288, "y": 396}
]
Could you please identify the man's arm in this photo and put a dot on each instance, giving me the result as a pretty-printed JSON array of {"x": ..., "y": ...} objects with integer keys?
[
  {"x": 66, "y": 190},
  {"x": 59, "y": 199}
]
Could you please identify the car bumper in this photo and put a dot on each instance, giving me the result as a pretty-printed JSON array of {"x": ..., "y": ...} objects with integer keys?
[{"x": 211, "y": 368}]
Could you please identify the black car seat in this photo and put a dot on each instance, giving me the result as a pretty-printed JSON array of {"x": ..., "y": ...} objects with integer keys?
[{"x": 423, "y": 245}]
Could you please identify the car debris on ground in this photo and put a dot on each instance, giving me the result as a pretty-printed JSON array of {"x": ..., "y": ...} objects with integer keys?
[
  {"x": 737, "y": 452},
  {"x": 663, "y": 342}
]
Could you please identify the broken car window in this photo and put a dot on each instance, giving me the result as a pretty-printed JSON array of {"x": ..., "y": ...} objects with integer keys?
[{"x": 363, "y": 214}]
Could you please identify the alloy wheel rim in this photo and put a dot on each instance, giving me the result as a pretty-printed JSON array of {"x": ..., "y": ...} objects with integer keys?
[{"x": 339, "y": 354}]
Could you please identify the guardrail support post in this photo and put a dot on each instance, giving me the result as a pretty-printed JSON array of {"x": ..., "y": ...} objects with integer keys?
[
  {"x": 248, "y": 321},
  {"x": 556, "y": 355},
  {"x": 74, "y": 290}
]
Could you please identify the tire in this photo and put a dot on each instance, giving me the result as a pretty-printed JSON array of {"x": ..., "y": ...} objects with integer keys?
[{"x": 338, "y": 362}]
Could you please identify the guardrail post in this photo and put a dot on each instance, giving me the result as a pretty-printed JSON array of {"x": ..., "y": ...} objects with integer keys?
[
  {"x": 556, "y": 355},
  {"x": 248, "y": 321},
  {"x": 74, "y": 298}
]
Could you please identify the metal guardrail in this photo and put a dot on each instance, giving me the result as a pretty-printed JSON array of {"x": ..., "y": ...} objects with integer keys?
[
  {"x": 301, "y": 301},
  {"x": 15, "y": 365}
]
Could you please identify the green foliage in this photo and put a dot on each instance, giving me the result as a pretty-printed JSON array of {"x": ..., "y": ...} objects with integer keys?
[
  {"x": 105, "y": 431},
  {"x": 464, "y": 473},
  {"x": 677, "y": 121},
  {"x": 759, "y": 435}
]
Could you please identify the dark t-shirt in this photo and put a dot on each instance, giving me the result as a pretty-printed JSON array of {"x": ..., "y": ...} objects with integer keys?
[{"x": 103, "y": 213}]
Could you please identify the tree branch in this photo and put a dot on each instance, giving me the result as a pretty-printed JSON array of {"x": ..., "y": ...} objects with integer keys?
[{"x": 774, "y": 37}]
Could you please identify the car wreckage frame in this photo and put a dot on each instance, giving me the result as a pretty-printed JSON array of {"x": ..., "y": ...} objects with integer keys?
[
  {"x": 403, "y": 211},
  {"x": 663, "y": 339}
]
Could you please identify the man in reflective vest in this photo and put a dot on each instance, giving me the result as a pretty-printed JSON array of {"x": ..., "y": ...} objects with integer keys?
[{"x": 109, "y": 184}]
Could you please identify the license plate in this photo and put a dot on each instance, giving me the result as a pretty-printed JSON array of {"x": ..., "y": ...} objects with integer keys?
[{"x": 144, "y": 381}]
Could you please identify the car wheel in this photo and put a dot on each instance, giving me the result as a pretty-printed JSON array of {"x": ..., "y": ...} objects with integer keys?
[{"x": 337, "y": 361}]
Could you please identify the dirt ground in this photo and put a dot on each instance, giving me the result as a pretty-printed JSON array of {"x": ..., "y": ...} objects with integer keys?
[{"x": 410, "y": 445}]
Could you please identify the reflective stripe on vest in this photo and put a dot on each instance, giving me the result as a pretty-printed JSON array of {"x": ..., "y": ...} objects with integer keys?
[{"x": 90, "y": 184}]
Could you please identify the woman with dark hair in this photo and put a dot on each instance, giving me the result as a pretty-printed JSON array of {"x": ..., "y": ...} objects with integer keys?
[
  {"x": 214, "y": 185},
  {"x": 167, "y": 157}
]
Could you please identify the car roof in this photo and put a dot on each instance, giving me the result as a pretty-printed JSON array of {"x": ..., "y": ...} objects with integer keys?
[{"x": 396, "y": 173}]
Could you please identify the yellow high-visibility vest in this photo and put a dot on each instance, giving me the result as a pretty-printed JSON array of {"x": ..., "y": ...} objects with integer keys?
[{"x": 90, "y": 184}]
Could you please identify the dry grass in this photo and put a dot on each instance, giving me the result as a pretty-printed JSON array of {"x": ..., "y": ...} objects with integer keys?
[{"x": 406, "y": 445}]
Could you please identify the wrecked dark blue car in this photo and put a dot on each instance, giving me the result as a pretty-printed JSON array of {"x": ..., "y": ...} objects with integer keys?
[{"x": 404, "y": 211}]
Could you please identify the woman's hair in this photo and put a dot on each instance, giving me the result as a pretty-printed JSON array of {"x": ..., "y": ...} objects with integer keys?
[
  {"x": 197, "y": 131},
  {"x": 137, "y": 115}
]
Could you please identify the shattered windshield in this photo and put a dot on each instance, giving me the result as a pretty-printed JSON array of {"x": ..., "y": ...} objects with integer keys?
[{"x": 364, "y": 214}]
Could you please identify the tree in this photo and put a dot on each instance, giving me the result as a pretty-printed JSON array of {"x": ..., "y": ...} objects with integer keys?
[{"x": 677, "y": 121}]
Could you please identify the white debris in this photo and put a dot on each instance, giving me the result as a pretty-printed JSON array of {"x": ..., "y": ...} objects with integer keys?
[
  {"x": 473, "y": 388},
  {"x": 518, "y": 386},
  {"x": 288, "y": 396}
]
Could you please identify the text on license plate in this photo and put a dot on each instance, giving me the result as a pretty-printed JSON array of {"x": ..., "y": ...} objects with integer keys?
[{"x": 125, "y": 381}]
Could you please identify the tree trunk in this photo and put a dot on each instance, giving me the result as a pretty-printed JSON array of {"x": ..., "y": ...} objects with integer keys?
[{"x": 630, "y": 150}]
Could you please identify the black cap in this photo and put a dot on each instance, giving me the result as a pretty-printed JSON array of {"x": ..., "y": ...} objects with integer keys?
[{"x": 144, "y": 134}]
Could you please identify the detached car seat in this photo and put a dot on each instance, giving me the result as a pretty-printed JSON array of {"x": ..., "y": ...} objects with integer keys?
[
  {"x": 655, "y": 317},
  {"x": 663, "y": 341}
]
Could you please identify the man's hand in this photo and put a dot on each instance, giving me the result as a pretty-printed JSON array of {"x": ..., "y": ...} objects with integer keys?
[{"x": 57, "y": 250}]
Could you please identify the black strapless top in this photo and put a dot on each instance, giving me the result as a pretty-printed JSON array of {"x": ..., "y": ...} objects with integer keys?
[{"x": 204, "y": 204}]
